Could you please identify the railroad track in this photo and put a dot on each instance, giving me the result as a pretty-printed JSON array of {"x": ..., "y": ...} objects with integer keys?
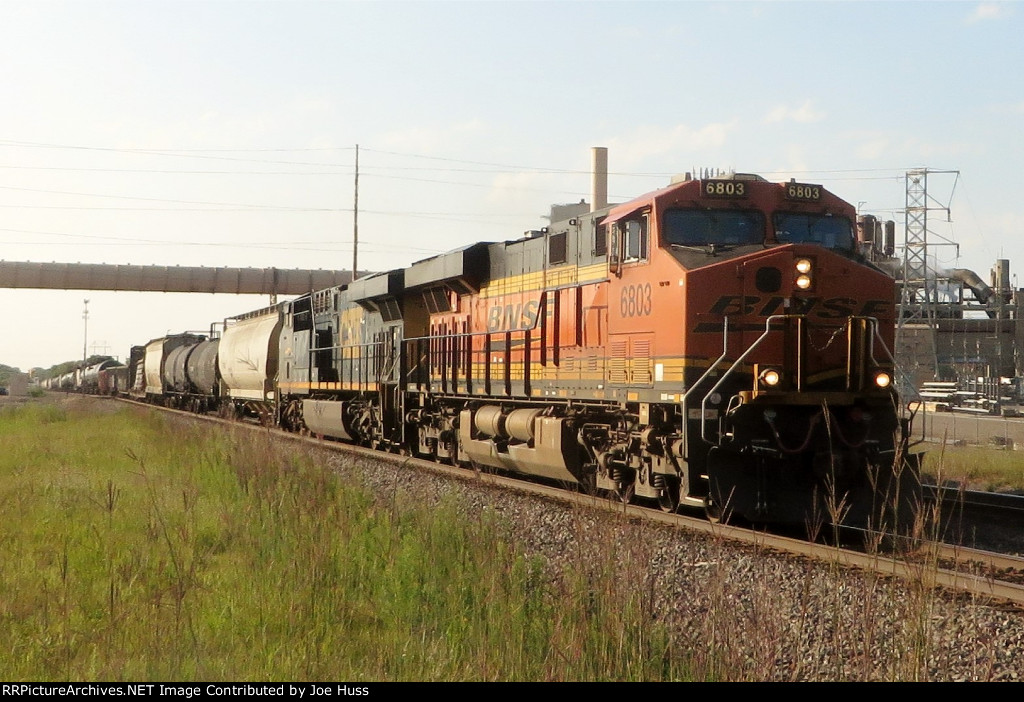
[
  {"x": 984, "y": 521},
  {"x": 978, "y": 572},
  {"x": 1004, "y": 505}
]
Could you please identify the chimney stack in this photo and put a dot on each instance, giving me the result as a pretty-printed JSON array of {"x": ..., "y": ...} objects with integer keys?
[{"x": 599, "y": 179}]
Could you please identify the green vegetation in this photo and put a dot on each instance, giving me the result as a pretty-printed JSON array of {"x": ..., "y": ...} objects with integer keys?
[
  {"x": 166, "y": 552},
  {"x": 976, "y": 467},
  {"x": 5, "y": 374},
  {"x": 139, "y": 547}
]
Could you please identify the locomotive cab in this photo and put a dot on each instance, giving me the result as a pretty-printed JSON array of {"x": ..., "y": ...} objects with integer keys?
[{"x": 749, "y": 327}]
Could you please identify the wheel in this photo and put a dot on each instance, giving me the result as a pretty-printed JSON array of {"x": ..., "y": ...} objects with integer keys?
[
  {"x": 587, "y": 483},
  {"x": 624, "y": 491},
  {"x": 713, "y": 511},
  {"x": 668, "y": 500},
  {"x": 445, "y": 452}
]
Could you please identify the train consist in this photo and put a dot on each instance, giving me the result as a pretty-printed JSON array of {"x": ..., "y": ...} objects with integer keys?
[
  {"x": 107, "y": 377},
  {"x": 721, "y": 343}
]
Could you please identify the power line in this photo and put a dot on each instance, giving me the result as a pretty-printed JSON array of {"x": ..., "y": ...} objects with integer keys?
[
  {"x": 168, "y": 171},
  {"x": 215, "y": 153},
  {"x": 36, "y": 144}
]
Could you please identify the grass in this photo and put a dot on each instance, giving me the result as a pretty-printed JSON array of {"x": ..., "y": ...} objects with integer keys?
[
  {"x": 976, "y": 467},
  {"x": 138, "y": 549}
]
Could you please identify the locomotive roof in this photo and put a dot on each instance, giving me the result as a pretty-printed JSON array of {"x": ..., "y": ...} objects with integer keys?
[
  {"x": 465, "y": 266},
  {"x": 388, "y": 283},
  {"x": 638, "y": 203}
]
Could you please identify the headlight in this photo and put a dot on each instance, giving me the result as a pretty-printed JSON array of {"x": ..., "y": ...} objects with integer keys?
[
  {"x": 769, "y": 377},
  {"x": 883, "y": 379},
  {"x": 803, "y": 280}
]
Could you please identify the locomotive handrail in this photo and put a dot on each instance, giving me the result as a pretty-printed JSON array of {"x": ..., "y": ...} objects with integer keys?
[
  {"x": 873, "y": 330},
  {"x": 735, "y": 364},
  {"x": 711, "y": 368},
  {"x": 368, "y": 352},
  {"x": 896, "y": 366},
  {"x": 905, "y": 382},
  {"x": 471, "y": 353},
  {"x": 414, "y": 369}
]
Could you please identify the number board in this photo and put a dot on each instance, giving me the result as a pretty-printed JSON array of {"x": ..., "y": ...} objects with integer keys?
[
  {"x": 724, "y": 188},
  {"x": 803, "y": 191}
]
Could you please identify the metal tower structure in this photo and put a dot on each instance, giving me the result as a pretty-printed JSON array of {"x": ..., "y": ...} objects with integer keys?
[{"x": 919, "y": 298}]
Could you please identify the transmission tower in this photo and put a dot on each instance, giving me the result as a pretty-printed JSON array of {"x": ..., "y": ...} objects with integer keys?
[{"x": 919, "y": 299}]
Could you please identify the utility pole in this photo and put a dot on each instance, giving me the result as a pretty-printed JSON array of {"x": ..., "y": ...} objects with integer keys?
[
  {"x": 355, "y": 221},
  {"x": 85, "y": 337}
]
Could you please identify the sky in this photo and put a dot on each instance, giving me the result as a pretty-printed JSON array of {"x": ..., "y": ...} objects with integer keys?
[{"x": 225, "y": 133}]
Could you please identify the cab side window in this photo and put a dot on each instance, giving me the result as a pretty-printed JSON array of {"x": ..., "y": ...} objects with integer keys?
[{"x": 636, "y": 240}]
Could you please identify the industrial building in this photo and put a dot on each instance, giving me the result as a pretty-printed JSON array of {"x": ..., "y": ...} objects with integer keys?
[{"x": 959, "y": 341}]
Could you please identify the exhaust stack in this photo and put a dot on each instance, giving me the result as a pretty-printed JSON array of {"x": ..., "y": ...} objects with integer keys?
[{"x": 599, "y": 178}]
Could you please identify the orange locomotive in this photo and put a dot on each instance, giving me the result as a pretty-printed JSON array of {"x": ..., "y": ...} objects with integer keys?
[{"x": 719, "y": 342}]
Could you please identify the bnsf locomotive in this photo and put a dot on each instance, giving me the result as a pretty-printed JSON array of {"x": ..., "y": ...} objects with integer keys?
[{"x": 719, "y": 343}]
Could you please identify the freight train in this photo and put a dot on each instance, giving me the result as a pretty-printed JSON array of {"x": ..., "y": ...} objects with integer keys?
[
  {"x": 106, "y": 377},
  {"x": 721, "y": 343}
]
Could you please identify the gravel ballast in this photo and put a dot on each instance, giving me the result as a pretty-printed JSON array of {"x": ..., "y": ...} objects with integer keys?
[{"x": 739, "y": 612}]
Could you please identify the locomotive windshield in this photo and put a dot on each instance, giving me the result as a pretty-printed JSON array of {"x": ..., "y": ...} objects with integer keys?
[
  {"x": 718, "y": 227},
  {"x": 826, "y": 230}
]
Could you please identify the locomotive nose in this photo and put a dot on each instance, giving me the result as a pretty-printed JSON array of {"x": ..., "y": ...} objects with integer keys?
[{"x": 835, "y": 469}]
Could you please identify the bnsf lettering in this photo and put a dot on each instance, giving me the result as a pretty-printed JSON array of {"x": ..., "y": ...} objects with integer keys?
[
  {"x": 839, "y": 307},
  {"x": 832, "y": 308},
  {"x": 512, "y": 317},
  {"x": 776, "y": 305},
  {"x": 735, "y": 304},
  {"x": 875, "y": 308}
]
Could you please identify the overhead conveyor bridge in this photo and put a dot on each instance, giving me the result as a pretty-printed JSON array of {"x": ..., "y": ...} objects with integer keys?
[{"x": 238, "y": 281}]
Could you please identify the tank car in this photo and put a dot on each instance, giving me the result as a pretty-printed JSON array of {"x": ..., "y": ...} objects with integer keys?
[
  {"x": 89, "y": 378},
  {"x": 190, "y": 374},
  {"x": 203, "y": 376},
  {"x": 67, "y": 381},
  {"x": 161, "y": 370}
]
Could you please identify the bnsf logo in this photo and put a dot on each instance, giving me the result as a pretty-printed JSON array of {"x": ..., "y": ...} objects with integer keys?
[
  {"x": 513, "y": 317},
  {"x": 831, "y": 308}
]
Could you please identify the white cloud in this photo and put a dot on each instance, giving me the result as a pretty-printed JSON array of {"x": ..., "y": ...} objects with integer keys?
[
  {"x": 518, "y": 184},
  {"x": 796, "y": 164},
  {"x": 652, "y": 141},
  {"x": 803, "y": 114},
  {"x": 899, "y": 151},
  {"x": 989, "y": 11},
  {"x": 433, "y": 139},
  {"x": 941, "y": 149},
  {"x": 873, "y": 148}
]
